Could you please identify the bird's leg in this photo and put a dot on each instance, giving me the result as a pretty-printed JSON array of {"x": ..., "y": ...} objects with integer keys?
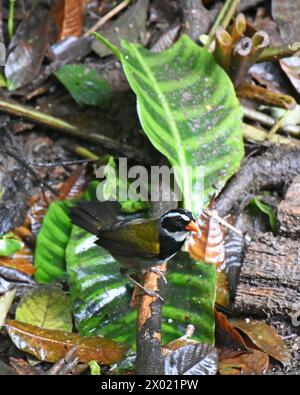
[
  {"x": 124, "y": 272},
  {"x": 159, "y": 273}
]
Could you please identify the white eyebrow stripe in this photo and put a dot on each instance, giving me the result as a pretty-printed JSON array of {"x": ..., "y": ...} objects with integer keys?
[{"x": 171, "y": 215}]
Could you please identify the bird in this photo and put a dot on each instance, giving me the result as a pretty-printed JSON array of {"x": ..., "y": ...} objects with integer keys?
[{"x": 138, "y": 244}]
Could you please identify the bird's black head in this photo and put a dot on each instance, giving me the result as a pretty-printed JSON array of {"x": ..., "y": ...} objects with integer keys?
[
  {"x": 173, "y": 230},
  {"x": 177, "y": 220}
]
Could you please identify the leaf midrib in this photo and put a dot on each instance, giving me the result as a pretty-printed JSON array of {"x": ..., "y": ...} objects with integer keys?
[{"x": 172, "y": 125}]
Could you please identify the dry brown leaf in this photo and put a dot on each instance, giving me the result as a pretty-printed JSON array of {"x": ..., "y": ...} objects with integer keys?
[
  {"x": 68, "y": 15},
  {"x": 52, "y": 345},
  {"x": 227, "y": 337},
  {"x": 256, "y": 362},
  {"x": 264, "y": 337}
]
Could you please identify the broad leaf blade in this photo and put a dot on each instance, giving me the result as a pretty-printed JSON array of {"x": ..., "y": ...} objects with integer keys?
[
  {"x": 189, "y": 111},
  {"x": 194, "y": 359},
  {"x": 101, "y": 296},
  {"x": 47, "y": 307},
  {"x": 51, "y": 345}
]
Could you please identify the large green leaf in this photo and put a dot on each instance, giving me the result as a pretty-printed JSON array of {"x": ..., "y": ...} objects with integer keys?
[
  {"x": 49, "y": 258},
  {"x": 47, "y": 307},
  {"x": 101, "y": 296},
  {"x": 189, "y": 111},
  {"x": 52, "y": 240}
]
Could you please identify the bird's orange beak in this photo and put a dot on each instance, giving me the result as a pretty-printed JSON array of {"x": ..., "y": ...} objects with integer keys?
[{"x": 192, "y": 226}]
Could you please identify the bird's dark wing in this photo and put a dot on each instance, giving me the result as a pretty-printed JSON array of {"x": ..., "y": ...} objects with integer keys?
[
  {"x": 93, "y": 216},
  {"x": 139, "y": 239}
]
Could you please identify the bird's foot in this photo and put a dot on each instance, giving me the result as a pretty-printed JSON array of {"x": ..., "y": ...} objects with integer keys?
[
  {"x": 145, "y": 290},
  {"x": 159, "y": 273}
]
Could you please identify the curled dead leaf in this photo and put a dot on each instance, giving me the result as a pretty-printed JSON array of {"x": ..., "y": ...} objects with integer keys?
[
  {"x": 52, "y": 345},
  {"x": 265, "y": 338}
]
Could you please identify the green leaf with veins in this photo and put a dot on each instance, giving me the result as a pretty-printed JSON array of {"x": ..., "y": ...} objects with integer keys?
[{"x": 47, "y": 307}]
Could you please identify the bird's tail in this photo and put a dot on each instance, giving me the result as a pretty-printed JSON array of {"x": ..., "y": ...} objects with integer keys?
[{"x": 92, "y": 216}]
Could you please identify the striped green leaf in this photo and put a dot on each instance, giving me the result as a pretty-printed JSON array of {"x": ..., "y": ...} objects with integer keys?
[
  {"x": 188, "y": 109},
  {"x": 101, "y": 296}
]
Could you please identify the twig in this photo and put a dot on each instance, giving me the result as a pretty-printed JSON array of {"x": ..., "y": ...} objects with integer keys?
[
  {"x": 262, "y": 95},
  {"x": 240, "y": 60},
  {"x": 276, "y": 53},
  {"x": 61, "y": 163},
  {"x": 223, "y": 19},
  {"x": 278, "y": 124},
  {"x": 107, "y": 17},
  {"x": 68, "y": 128},
  {"x": 149, "y": 356},
  {"x": 260, "y": 41},
  {"x": 238, "y": 28},
  {"x": 223, "y": 48},
  {"x": 259, "y": 136},
  {"x": 214, "y": 214},
  {"x": 66, "y": 365},
  {"x": 267, "y": 120}
]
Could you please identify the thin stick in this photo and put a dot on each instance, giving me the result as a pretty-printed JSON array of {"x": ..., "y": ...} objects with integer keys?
[
  {"x": 267, "y": 120},
  {"x": 239, "y": 28},
  {"x": 259, "y": 136},
  {"x": 223, "y": 19},
  {"x": 240, "y": 60},
  {"x": 223, "y": 48},
  {"x": 276, "y": 53},
  {"x": 278, "y": 124},
  {"x": 107, "y": 17},
  {"x": 68, "y": 128},
  {"x": 263, "y": 95}
]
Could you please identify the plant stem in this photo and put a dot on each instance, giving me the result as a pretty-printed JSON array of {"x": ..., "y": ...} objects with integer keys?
[
  {"x": 223, "y": 48},
  {"x": 68, "y": 128},
  {"x": 238, "y": 28},
  {"x": 107, "y": 17},
  {"x": 223, "y": 19},
  {"x": 267, "y": 120},
  {"x": 240, "y": 61},
  {"x": 262, "y": 95},
  {"x": 259, "y": 136},
  {"x": 10, "y": 25},
  {"x": 275, "y": 53}
]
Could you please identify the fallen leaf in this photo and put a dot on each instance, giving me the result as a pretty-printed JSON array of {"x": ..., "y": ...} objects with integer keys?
[
  {"x": 291, "y": 67},
  {"x": 196, "y": 359},
  {"x": 9, "y": 244},
  {"x": 27, "y": 49},
  {"x": 68, "y": 15},
  {"x": 85, "y": 84},
  {"x": 256, "y": 362},
  {"x": 265, "y": 338},
  {"x": 47, "y": 307},
  {"x": 74, "y": 185},
  {"x": 5, "y": 303},
  {"x": 18, "y": 264},
  {"x": 22, "y": 367},
  {"x": 208, "y": 244},
  {"x": 51, "y": 345},
  {"x": 226, "y": 335}
]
